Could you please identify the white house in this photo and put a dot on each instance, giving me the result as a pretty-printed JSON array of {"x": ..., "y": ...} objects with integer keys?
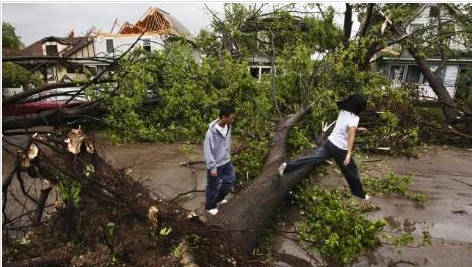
[{"x": 157, "y": 24}]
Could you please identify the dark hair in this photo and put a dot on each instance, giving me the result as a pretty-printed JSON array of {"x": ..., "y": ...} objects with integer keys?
[
  {"x": 355, "y": 103},
  {"x": 226, "y": 110}
]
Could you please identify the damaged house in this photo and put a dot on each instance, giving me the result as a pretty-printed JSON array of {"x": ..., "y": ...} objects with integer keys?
[{"x": 159, "y": 27}]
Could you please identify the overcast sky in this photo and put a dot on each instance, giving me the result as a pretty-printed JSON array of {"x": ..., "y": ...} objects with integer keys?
[{"x": 34, "y": 21}]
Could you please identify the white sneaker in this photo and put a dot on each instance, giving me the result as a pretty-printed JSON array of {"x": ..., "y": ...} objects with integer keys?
[
  {"x": 224, "y": 201},
  {"x": 281, "y": 168},
  {"x": 367, "y": 197},
  {"x": 212, "y": 211}
]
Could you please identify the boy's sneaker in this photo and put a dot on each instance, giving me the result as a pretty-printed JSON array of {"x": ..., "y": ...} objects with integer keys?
[
  {"x": 281, "y": 168},
  {"x": 224, "y": 201},
  {"x": 212, "y": 211}
]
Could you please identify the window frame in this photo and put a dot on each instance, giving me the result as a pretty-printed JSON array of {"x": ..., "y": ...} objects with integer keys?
[
  {"x": 107, "y": 45},
  {"x": 149, "y": 44},
  {"x": 54, "y": 53},
  {"x": 420, "y": 76}
]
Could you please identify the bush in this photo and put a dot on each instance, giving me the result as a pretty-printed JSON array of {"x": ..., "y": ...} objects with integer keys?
[
  {"x": 335, "y": 225},
  {"x": 464, "y": 86},
  {"x": 14, "y": 75}
]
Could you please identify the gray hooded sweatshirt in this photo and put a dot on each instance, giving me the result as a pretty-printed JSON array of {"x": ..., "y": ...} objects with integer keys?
[{"x": 217, "y": 148}]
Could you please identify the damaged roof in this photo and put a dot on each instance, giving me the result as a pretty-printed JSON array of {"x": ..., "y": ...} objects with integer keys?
[{"x": 155, "y": 20}]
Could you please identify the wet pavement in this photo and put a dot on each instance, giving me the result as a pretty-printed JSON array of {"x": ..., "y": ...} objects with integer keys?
[
  {"x": 158, "y": 166},
  {"x": 444, "y": 175}
]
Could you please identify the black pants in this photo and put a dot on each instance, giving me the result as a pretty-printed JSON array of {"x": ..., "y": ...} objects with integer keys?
[{"x": 326, "y": 151}]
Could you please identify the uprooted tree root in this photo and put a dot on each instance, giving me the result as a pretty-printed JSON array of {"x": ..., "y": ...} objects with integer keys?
[{"x": 112, "y": 222}]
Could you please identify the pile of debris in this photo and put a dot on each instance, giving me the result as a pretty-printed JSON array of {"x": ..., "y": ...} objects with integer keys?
[{"x": 104, "y": 217}]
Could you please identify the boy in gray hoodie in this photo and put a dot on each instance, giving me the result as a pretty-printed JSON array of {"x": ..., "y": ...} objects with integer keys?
[{"x": 217, "y": 150}]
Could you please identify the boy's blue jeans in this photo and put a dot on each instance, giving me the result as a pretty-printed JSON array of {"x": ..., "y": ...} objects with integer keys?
[{"x": 218, "y": 187}]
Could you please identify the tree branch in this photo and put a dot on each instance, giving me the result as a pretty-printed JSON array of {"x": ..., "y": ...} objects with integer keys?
[
  {"x": 441, "y": 45},
  {"x": 347, "y": 24},
  {"x": 53, "y": 117},
  {"x": 55, "y": 58},
  {"x": 213, "y": 14},
  {"x": 367, "y": 20},
  {"x": 318, "y": 5},
  {"x": 274, "y": 83}
]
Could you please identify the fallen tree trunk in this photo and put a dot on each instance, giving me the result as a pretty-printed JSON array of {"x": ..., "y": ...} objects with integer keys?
[
  {"x": 448, "y": 105},
  {"x": 57, "y": 117},
  {"x": 249, "y": 214},
  {"x": 61, "y": 116}
]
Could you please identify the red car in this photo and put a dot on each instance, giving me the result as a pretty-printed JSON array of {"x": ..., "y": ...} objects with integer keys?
[{"x": 38, "y": 106}]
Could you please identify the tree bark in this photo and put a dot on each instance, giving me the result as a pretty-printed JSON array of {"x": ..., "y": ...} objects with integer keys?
[
  {"x": 347, "y": 23},
  {"x": 61, "y": 116},
  {"x": 366, "y": 23},
  {"x": 449, "y": 107},
  {"x": 373, "y": 47},
  {"x": 249, "y": 213},
  {"x": 55, "y": 117}
]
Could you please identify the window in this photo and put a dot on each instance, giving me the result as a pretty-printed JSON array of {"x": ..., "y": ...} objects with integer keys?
[
  {"x": 265, "y": 70},
  {"x": 147, "y": 45},
  {"x": 49, "y": 73},
  {"x": 73, "y": 68},
  {"x": 463, "y": 69},
  {"x": 90, "y": 69},
  {"x": 51, "y": 50},
  {"x": 396, "y": 72},
  {"x": 264, "y": 73},
  {"x": 260, "y": 72},
  {"x": 254, "y": 72},
  {"x": 110, "y": 47},
  {"x": 413, "y": 74}
]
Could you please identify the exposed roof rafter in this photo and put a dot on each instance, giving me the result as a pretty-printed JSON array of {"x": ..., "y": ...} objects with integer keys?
[{"x": 153, "y": 20}]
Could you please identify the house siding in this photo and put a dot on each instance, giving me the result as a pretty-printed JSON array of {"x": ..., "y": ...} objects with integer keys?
[
  {"x": 121, "y": 43},
  {"x": 449, "y": 82}
]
